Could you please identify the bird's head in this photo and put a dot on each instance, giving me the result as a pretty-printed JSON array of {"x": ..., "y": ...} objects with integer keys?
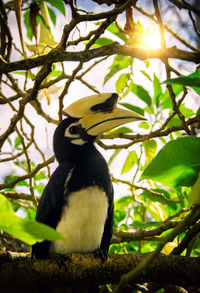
[{"x": 89, "y": 117}]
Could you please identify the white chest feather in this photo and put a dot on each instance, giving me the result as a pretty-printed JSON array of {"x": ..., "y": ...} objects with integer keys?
[{"x": 82, "y": 221}]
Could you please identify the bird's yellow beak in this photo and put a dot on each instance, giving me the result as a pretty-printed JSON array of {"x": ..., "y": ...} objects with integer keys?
[{"x": 99, "y": 113}]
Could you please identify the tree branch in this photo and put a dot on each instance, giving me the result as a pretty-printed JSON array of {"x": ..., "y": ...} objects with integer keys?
[
  {"x": 42, "y": 74},
  {"x": 145, "y": 266},
  {"x": 145, "y": 137},
  {"x": 185, "y": 5},
  {"x": 124, "y": 236},
  {"x": 28, "y": 175},
  {"x": 34, "y": 274},
  {"x": 57, "y": 55}
]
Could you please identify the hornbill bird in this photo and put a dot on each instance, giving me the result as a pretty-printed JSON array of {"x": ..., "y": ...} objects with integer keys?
[{"x": 78, "y": 199}]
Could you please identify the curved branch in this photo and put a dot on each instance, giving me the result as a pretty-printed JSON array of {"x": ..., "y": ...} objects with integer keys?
[
  {"x": 124, "y": 236},
  {"x": 58, "y": 55}
]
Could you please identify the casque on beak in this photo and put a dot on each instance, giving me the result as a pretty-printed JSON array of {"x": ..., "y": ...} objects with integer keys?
[{"x": 99, "y": 113}]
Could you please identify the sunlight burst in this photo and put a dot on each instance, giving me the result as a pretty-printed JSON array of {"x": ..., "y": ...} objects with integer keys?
[{"x": 151, "y": 39}]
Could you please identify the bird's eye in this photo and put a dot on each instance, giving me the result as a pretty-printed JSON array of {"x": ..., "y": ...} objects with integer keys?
[{"x": 74, "y": 129}]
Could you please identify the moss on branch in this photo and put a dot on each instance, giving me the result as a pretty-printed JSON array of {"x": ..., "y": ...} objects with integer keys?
[{"x": 30, "y": 274}]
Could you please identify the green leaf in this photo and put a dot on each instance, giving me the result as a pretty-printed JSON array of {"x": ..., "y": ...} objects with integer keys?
[
  {"x": 187, "y": 112},
  {"x": 150, "y": 148},
  {"x": 17, "y": 142},
  {"x": 52, "y": 15},
  {"x": 141, "y": 93},
  {"x": 114, "y": 30},
  {"x": 22, "y": 183},
  {"x": 118, "y": 217},
  {"x": 176, "y": 164},
  {"x": 157, "y": 91},
  {"x": 25, "y": 73},
  {"x": 114, "y": 155},
  {"x": 31, "y": 214},
  {"x": 120, "y": 209},
  {"x": 149, "y": 109},
  {"x": 39, "y": 187},
  {"x": 113, "y": 70},
  {"x": 123, "y": 202},
  {"x": 176, "y": 120},
  {"x": 26, "y": 230},
  {"x": 24, "y": 165},
  {"x": 39, "y": 231},
  {"x": 194, "y": 197},
  {"x": 130, "y": 161},
  {"x": 156, "y": 212},
  {"x": 192, "y": 80},
  {"x": 122, "y": 129},
  {"x": 138, "y": 213},
  {"x": 9, "y": 141},
  {"x": 28, "y": 25},
  {"x": 40, "y": 176},
  {"x": 133, "y": 108},
  {"x": 147, "y": 62},
  {"x": 163, "y": 140},
  {"x": 122, "y": 81},
  {"x": 55, "y": 73},
  {"x": 120, "y": 62},
  {"x": 140, "y": 225},
  {"x": 9, "y": 4},
  {"x": 198, "y": 112},
  {"x": 144, "y": 125},
  {"x": 100, "y": 42},
  {"x": 58, "y": 4},
  {"x": 152, "y": 197},
  {"x": 146, "y": 74},
  {"x": 166, "y": 102}
]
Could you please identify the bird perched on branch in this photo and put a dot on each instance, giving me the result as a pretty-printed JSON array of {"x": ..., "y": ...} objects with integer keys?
[{"x": 78, "y": 199}]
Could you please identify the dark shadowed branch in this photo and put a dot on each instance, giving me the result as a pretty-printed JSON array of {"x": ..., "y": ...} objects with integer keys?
[{"x": 51, "y": 273}]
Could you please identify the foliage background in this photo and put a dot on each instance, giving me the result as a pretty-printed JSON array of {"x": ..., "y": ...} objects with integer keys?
[{"x": 59, "y": 52}]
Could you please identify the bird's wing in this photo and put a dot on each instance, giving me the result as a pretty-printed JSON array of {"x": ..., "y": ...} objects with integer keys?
[
  {"x": 50, "y": 206},
  {"x": 108, "y": 228}
]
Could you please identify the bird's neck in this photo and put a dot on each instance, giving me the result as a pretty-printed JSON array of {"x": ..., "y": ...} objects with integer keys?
[{"x": 74, "y": 153}]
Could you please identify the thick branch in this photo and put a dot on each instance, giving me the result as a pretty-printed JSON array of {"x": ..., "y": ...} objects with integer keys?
[
  {"x": 58, "y": 55},
  {"x": 51, "y": 273}
]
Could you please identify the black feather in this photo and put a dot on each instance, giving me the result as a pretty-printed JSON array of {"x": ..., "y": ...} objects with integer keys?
[{"x": 89, "y": 169}]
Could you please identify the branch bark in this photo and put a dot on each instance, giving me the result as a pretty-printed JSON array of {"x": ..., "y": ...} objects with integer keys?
[
  {"x": 30, "y": 274},
  {"x": 58, "y": 55}
]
